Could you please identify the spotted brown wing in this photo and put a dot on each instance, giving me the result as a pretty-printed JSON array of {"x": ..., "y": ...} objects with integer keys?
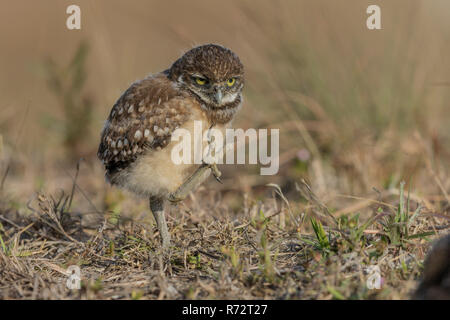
[{"x": 142, "y": 119}]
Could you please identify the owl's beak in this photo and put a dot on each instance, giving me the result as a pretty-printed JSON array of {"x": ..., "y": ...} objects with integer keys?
[{"x": 218, "y": 96}]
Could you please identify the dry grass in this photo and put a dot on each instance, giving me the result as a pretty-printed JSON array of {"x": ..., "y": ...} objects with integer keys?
[
  {"x": 359, "y": 111},
  {"x": 267, "y": 249}
]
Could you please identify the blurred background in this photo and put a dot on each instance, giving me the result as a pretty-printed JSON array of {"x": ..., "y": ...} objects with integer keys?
[{"x": 357, "y": 109}]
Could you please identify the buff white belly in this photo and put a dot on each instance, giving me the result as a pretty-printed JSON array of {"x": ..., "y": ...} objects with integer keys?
[{"x": 155, "y": 173}]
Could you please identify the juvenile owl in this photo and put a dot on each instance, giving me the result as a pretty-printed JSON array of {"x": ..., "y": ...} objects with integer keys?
[{"x": 205, "y": 84}]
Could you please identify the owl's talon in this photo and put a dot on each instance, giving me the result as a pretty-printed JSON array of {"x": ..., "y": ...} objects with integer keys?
[
  {"x": 216, "y": 172},
  {"x": 174, "y": 199}
]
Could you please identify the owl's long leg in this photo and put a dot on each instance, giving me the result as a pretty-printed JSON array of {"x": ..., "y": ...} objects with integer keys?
[
  {"x": 197, "y": 178},
  {"x": 157, "y": 203},
  {"x": 157, "y": 208}
]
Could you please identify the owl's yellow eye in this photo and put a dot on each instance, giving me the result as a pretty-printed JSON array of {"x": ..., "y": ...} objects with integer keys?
[
  {"x": 231, "y": 81},
  {"x": 200, "y": 81}
]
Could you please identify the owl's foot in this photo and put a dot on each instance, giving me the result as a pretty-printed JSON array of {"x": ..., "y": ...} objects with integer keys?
[
  {"x": 157, "y": 208},
  {"x": 197, "y": 178},
  {"x": 216, "y": 173}
]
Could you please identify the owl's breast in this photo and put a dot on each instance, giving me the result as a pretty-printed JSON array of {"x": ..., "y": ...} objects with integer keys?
[{"x": 157, "y": 172}]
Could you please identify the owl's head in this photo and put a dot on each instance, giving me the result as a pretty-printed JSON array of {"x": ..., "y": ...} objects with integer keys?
[{"x": 212, "y": 73}]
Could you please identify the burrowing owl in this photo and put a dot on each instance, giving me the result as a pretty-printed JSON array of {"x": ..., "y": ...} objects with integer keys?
[{"x": 205, "y": 84}]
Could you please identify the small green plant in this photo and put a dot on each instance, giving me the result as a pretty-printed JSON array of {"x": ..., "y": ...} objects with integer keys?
[
  {"x": 136, "y": 294},
  {"x": 266, "y": 264},
  {"x": 396, "y": 224},
  {"x": 233, "y": 257},
  {"x": 354, "y": 229},
  {"x": 195, "y": 261},
  {"x": 322, "y": 239},
  {"x": 266, "y": 260}
]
